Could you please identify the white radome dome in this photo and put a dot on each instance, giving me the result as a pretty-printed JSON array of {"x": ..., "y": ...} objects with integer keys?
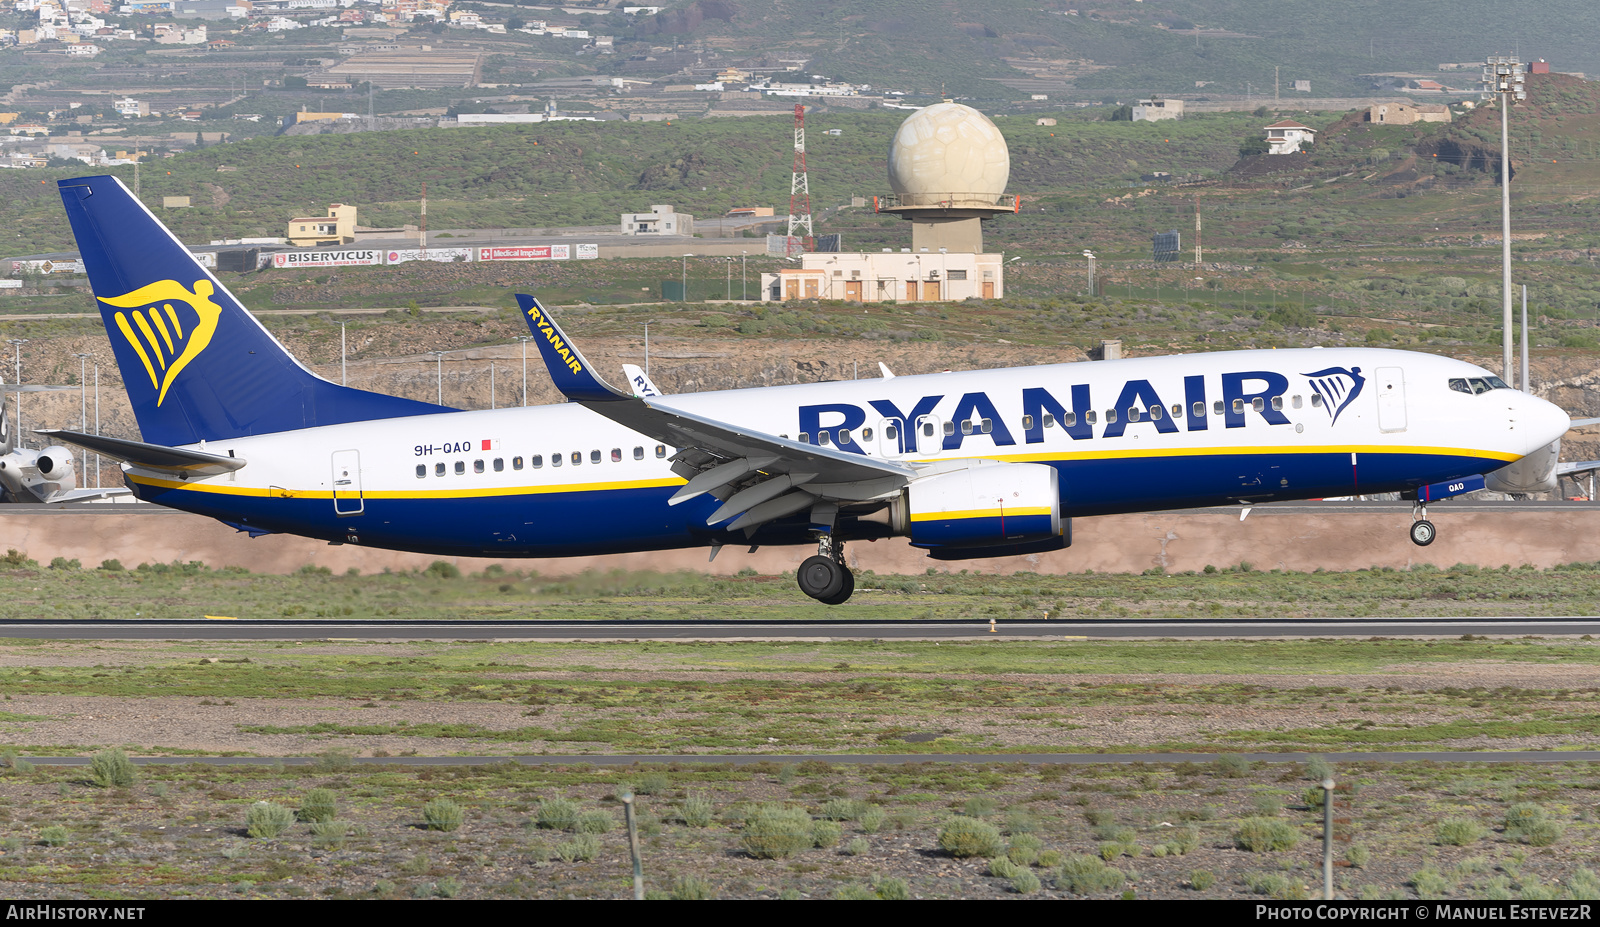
[{"x": 948, "y": 148}]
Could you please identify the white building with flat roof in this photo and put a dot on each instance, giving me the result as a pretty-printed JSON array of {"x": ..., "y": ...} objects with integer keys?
[{"x": 888, "y": 276}]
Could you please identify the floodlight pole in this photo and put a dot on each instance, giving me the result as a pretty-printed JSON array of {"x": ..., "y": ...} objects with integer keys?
[
  {"x": 744, "y": 285},
  {"x": 438, "y": 361},
  {"x": 17, "y": 343},
  {"x": 1090, "y": 255},
  {"x": 524, "y": 339},
  {"x": 1503, "y": 77},
  {"x": 1327, "y": 839},
  {"x": 83, "y": 401}
]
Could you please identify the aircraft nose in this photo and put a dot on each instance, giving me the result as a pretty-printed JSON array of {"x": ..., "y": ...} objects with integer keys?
[{"x": 1540, "y": 422}]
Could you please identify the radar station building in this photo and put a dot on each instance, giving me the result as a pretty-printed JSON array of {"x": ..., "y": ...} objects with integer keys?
[{"x": 948, "y": 169}]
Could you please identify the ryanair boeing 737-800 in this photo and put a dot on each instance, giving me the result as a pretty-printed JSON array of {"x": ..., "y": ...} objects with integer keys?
[{"x": 966, "y": 465}]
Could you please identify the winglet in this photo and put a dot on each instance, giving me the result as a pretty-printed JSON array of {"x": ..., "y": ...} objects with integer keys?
[
  {"x": 640, "y": 382},
  {"x": 572, "y": 374}
]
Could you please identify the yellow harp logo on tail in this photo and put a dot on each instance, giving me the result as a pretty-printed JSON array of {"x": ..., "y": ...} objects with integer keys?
[{"x": 168, "y": 326}]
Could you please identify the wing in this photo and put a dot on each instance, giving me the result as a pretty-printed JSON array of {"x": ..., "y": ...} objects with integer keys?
[
  {"x": 173, "y": 460},
  {"x": 1577, "y": 466},
  {"x": 758, "y": 476}
]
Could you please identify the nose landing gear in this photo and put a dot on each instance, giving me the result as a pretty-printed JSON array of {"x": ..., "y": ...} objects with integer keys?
[
  {"x": 1422, "y": 530},
  {"x": 825, "y": 576}
]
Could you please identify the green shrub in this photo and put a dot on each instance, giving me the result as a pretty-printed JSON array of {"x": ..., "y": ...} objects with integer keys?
[
  {"x": 1049, "y": 859},
  {"x": 1358, "y": 856},
  {"x": 1260, "y": 835},
  {"x": 1184, "y": 840},
  {"x": 1087, "y": 875},
  {"x": 857, "y": 846},
  {"x": 651, "y": 784},
  {"x": 825, "y": 834},
  {"x": 1276, "y": 885},
  {"x": 581, "y": 848},
  {"x": 967, "y": 837},
  {"x": 329, "y": 834},
  {"x": 319, "y": 805},
  {"x": 1528, "y": 823},
  {"x": 1459, "y": 832},
  {"x": 843, "y": 809},
  {"x": 1583, "y": 885},
  {"x": 441, "y": 569},
  {"x": 696, "y": 811},
  {"x": 1318, "y": 769},
  {"x": 691, "y": 888},
  {"x": 442, "y": 814},
  {"x": 871, "y": 820},
  {"x": 1267, "y": 805},
  {"x": 1025, "y": 882},
  {"x": 111, "y": 566},
  {"x": 1232, "y": 766},
  {"x": 595, "y": 822},
  {"x": 556, "y": 814},
  {"x": 1024, "y": 849},
  {"x": 1202, "y": 879},
  {"x": 266, "y": 820},
  {"x": 1313, "y": 798},
  {"x": 1429, "y": 883},
  {"x": 1021, "y": 821},
  {"x": 1113, "y": 850},
  {"x": 1002, "y": 868},
  {"x": 979, "y": 806},
  {"x": 776, "y": 832},
  {"x": 855, "y": 891},
  {"x": 112, "y": 768},
  {"x": 891, "y": 889},
  {"x": 54, "y": 836}
]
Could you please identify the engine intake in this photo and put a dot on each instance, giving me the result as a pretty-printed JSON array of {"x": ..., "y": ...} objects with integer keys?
[{"x": 55, "y": 465}]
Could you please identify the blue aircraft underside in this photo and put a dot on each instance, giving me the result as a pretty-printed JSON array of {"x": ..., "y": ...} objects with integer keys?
[{"x": 618, "y": 520}]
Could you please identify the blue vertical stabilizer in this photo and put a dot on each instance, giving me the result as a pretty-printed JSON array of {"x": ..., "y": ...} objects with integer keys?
[{"x": 197, "y": 366}]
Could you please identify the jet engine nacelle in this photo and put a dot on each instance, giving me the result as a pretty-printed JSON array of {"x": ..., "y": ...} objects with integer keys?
[
  {"x": 55, "y": 466},
  {"x": 1533, "y": 473},
  {"x": 983, "y": 505}
]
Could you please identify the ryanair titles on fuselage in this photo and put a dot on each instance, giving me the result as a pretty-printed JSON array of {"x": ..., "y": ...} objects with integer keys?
[{"x": 1138, "y": 403}]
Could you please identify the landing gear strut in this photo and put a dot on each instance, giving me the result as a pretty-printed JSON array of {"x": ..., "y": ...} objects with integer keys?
[
  {"x": 1422, "y": 530},
  {"x": 825, "y": 577}
]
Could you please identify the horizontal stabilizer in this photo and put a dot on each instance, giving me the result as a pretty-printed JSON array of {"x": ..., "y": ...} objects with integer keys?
[
  {"x": 176, "y": 460},
  {"x": 86, "y": 495}
]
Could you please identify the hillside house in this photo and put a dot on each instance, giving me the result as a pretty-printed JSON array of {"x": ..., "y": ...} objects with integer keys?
[
  {"x": 1156, "y": 110},
  {"x": 1287, "y": 136},
  {"x": 338, "y": 227},
  {"x": 1404, "y": 114}
]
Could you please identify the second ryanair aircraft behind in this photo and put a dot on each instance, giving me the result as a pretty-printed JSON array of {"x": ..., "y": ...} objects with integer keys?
[{"x": 973, "y": 464}]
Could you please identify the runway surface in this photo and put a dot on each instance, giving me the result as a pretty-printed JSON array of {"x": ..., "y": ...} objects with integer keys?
[
  {"x": 837, "y": 629},
  {"x": 897, "y": 759}
]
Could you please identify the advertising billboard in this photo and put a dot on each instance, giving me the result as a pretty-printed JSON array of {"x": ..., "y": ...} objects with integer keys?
[
  {"x": 527, "y": 253},
  {"x": 443, "y": 255},
  {"x": 588, "y": 252},
  {"x": 361, "y": 257}
]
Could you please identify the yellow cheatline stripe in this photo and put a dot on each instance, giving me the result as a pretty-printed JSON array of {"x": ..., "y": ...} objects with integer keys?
[
  {"x": 222, "y": 618},
  {"x": 1266, "y": 449},
  {"x": 981, "y": 513},
  {"x": 227, "y": 489}
]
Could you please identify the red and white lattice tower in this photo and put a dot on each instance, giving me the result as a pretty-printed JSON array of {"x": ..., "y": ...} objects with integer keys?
[{"x": 800, "y": 190}]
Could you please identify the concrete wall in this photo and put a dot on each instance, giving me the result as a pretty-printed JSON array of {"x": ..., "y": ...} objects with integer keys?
[{"x": 1294, "y": 539}]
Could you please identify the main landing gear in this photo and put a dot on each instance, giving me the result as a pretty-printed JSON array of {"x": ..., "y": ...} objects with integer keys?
[
  {"x": 1422, "y": 530},
  {"x": 825, "y": 576}
]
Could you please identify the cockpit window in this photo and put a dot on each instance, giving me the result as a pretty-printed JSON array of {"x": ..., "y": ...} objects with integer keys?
[
  {"x": 1497, "y": 383},
  {"x": 1478, "y": 384},
  {"x": 1459, "y": 384}
]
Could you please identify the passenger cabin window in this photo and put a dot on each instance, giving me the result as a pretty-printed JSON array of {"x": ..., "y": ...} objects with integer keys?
[
  {"x": 1027, "y": 423},
  {"x": 966, "y": 428},
  {"x": 1258, "y": 404},
  {"x": 516, "y": 463},
  {"x": 616, "y": 455},
  {"x": 1297, "y": 400},
  {"x": 461, "y": 468},
  {"x": 988, "y": 425},
  {"x": 1070, "y": 419},
  {"x": 927, "y": 429},
  {"x": 1111, "y": 416},
  {"x": 438, "y": 469},
  {"x": 594, "y": 456},
  {"x": 866, "y": 434},
  {"x": 949, "y": 428},
  {"x": 805, "y": 438},
  {"x": 1091, "y": 416},
  {"x": 844, "y": 436},
  {"x": 477, "y": 466},
  {"x": 499, "y": 464},
  {"x": 823, "y": 438},
  {"x": 555, "y": 460},
  {"x": 891, "y": 432},
  {"x": 1277, "y": 403},
  {"x": 1316, "y": 400},
  {"x": 536, "y": 461},
  {"x": 1133, "y": 413},
  {"x": 661, "y": 450},
  {"x": 1198, "y": 410},
  {"x": 1177, "y": 410},
  {"x": 1217, "y": 408},
  {"x": 1156, "y": 412},
  {"x": 1238, "y": 406},
  {"x": 422, "y": 471},
  {"x": 638, "y": 452}
]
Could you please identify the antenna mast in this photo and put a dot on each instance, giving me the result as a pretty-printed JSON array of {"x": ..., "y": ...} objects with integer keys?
[{"x": 800, "y": 188}]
